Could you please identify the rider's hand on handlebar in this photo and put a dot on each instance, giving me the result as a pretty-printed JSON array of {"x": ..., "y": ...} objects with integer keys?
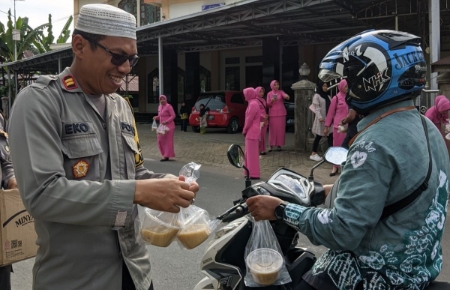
[{"x": 262, "y": 207}]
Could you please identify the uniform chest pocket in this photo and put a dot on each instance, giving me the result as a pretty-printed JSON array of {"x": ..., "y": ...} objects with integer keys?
[
  {"x": 129, "y": 140},
  {"x": 131, "y": 154},
  {"x": 82, "y": 158}
]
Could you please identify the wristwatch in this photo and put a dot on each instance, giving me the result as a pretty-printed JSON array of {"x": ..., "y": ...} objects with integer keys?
[{"x": 279, "y": 210}]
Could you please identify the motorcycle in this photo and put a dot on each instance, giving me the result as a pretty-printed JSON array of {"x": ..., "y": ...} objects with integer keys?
[{"x": 223, "y": 262}]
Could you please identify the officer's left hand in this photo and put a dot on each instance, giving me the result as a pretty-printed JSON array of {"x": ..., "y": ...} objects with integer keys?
[
  {"x": 12, "y": 183},
  {"x": 193, "y": 186},
  {"x": 262, "y": 207}
]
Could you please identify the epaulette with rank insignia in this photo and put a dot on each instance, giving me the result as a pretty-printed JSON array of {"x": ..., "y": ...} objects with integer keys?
[{"x": 69, "y": 82}]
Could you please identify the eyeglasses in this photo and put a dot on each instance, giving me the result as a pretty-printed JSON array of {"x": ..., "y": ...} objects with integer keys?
[{"x": 116, "y": 58}]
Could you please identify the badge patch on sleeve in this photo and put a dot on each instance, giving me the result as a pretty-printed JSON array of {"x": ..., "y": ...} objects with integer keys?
[
  {"x": 80, "y": 169},
  {"x": 120, "y": 219},
  {"x": 69, "y": 82}
]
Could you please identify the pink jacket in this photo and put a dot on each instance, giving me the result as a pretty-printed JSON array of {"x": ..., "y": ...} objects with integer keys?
[
  {"x": 252, "y": 129},
  {"x": 338, "y": 108},
  {"x": 438, "y": 113},
  {"x": 262, "y": 105},
  {"x": 166, "y": 114},
  {"x": 276, "y": 108}
]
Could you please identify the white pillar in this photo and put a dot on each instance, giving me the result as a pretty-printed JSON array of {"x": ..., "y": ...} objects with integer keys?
[
  {"x": 434, "y": 41},
  {"x": 160, "y": 64},
  {"x": 138, "y": 12}
]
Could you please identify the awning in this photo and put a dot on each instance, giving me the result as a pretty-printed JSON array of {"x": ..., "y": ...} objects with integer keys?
[{"x": 246, "y": 23}]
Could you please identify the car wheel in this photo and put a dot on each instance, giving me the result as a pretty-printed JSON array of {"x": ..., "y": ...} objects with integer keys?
[
  {"x": 195, "y": 129},
  {"x": 233, "y": 126}
]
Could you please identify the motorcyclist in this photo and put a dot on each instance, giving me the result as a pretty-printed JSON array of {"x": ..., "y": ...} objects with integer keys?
[{"x": 387, "y": 161}]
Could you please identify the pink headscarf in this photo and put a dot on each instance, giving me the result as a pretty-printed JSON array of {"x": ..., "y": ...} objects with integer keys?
[
  {"x": 258, "y": 90},
  {"x": 271, "y": 85},
  {"x": 160, "y": 107},
  {"x": 439, "y": 112},
  {"x": 341, "y": 87},
  {"x": 250, "y": 94}
]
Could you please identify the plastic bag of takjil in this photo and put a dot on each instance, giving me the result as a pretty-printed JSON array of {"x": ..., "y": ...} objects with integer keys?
[
  {"x": 154, "y": 125},
  {"x": 157, "y": 228},
  {"x": 264, "y": 258},
  {"x": 196, "y": 225}
]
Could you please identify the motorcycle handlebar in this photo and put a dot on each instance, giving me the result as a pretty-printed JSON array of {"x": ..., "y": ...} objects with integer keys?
[{"x": 242, "y": 209}]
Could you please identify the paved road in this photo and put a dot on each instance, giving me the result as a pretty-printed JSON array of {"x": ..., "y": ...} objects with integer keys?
[{"x": 177, "y": 269}]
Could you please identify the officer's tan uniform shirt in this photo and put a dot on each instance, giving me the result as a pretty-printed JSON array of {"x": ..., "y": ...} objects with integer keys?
[{"x": 75, "y": 172}]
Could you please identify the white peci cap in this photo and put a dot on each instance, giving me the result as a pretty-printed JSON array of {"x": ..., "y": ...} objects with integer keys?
[{"x": 104, "y": 19}]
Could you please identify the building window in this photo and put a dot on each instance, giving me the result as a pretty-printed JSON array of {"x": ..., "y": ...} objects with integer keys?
[
  {"x": 232, "y": 78},
  {"x": 153, "y": 86},
  {"x": 253, "y": 59},
  {"x": 181, "y": 79},
  {"x": 232, "y": 60},
  {"x": 149, "y": 13},
  {"x": 205, "y": 80}
]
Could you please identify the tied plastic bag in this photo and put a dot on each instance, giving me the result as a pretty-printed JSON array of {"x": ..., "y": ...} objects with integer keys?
[
  {"x": 264, "y": 258},
  {"x": 155, "y": 227},
  {"x": 162, "y": 129},
  {"x": 154, "y": 125},
  {"x": 343, "y": 128},
  {"x": 191, "y": 172},
  {"x": 196, "y": 225}
]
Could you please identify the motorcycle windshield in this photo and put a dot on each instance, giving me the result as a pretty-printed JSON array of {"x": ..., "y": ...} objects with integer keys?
[{"x": 292, "y": 184}]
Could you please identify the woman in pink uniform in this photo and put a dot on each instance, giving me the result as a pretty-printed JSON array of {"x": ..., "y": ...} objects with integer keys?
[
  {"x": 264, "y": 119},
  {"x": 252, "y": 133},
  {"x": 338, "y": 110},
  {"x": 166, "y": 115},
  {"x": 438, "y": 114},
  {"x": 277, "y": 115}
]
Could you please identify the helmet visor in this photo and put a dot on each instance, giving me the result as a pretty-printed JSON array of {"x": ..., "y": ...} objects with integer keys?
[{"x": 327, "y": 75}]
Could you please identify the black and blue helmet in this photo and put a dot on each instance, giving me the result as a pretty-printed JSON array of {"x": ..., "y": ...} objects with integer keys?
[{"x": 380, "y": 66}]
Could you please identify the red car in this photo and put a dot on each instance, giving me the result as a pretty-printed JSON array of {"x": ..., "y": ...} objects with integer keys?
[{"x": 226, "y": 110}]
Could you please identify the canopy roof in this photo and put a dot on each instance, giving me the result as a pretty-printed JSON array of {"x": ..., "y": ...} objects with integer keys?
[{"x": 246, "y": 23}]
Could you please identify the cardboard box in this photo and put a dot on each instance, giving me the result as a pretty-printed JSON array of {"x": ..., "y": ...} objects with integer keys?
[{"x": 17, "y": 236}]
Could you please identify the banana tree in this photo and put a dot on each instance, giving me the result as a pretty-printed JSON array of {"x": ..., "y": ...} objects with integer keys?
[
  {"x": 28, "y": 37},
  {"x": 43, "y": 42}
]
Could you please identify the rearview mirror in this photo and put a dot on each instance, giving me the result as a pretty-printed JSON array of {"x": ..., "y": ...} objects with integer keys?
[
  {"x": 236, "y": 155},
  {"x": 336, "y": 155}
]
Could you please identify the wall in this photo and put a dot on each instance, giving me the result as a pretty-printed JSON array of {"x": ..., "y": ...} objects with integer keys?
[
  {"x": 77, "y": 4},
  {"x": 179, "y": 8},
  {"x": 241, "y": 53}
]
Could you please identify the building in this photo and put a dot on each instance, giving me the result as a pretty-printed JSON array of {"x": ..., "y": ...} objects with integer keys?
[{"x": 224, "y": 44}]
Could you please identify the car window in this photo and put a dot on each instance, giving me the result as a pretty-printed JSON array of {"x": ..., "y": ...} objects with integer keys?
[
  {"x": 213, "y": 101},
  {"x": 237, "y": 99}
]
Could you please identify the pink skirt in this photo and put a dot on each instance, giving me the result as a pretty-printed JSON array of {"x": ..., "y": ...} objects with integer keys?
[
  {"x": 252, "y": 157},
  {"x": 165, "y": 144},
  {"x": 277, "y": 130},
  {"x": 262, "y": 140}
]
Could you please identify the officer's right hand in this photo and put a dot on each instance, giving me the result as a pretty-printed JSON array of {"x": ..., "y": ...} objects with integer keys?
[{"x": 163, "y": 194}]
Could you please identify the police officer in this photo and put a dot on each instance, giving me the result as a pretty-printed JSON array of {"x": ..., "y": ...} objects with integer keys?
[
  {"x": 8, "y": 181},
  {"x": 79, "y": 164}
]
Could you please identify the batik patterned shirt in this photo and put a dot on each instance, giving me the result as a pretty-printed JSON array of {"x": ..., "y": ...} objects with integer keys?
[{"x": 386, "y": 163}]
